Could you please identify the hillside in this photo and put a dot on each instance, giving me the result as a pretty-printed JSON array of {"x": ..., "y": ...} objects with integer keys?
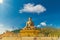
[{"x": 46, "y": 31}]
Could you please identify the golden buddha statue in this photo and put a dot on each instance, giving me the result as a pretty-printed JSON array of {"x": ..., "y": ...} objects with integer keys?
[
  {"x": 29, "y": 23},
  {"x": 29, "y": 29}
]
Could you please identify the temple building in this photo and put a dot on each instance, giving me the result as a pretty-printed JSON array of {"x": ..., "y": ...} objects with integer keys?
[{"x": 29, "y": 30}]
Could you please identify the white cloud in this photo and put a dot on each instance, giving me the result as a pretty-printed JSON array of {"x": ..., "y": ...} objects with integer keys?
[
  {"x": 43, "y": 23},
  {"x": 38, "y": 25},
  {"x": 4, "y": 28},
  {"x": 33, "y": 8}
]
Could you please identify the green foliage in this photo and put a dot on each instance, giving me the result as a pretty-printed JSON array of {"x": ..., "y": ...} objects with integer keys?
[
  {"x": 49, "y": 31},
  {"x": 16, "y": 31}
]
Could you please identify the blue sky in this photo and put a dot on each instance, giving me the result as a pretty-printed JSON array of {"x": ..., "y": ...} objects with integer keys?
[{"x": 10, "y": 15}]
